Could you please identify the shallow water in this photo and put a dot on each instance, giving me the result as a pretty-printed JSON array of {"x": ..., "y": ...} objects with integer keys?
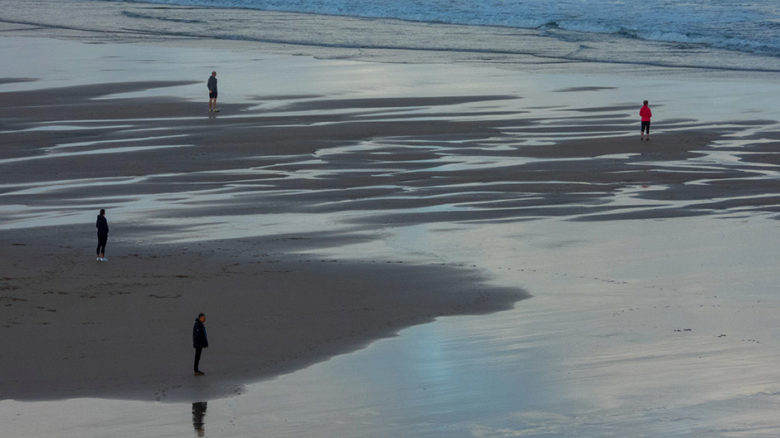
[
  {"x": 633, "y": 330},
  {"x": 522, "y": 121}
]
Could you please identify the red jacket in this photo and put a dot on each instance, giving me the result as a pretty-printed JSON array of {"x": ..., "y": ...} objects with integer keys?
[{"x": 645, "y": 113}]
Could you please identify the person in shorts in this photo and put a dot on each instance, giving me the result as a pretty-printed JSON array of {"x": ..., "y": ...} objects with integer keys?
[
  {"x": 212, "y": 86},
  {"x": 645, "y": 114}
]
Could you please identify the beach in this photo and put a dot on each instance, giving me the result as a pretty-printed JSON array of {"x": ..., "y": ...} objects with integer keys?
[{"x": 386, "y": 241}]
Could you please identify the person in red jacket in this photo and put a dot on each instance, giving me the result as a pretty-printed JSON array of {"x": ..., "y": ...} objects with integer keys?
[{"x": 645, "y": 114}]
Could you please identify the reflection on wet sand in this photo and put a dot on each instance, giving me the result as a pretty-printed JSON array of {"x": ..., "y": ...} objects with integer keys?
[{"x": 198, "y": 414}]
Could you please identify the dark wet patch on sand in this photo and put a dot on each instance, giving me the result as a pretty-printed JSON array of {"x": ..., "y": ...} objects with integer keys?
[
  {"x": 262, "y": 322},
  {"x": 4, "y": 81},
  {"x": 577, "y": 89}
]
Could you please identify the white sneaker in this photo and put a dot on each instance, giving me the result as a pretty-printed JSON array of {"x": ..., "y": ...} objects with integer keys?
[
  {"x": 99, "y": 259},
  {"x": 104, "y": 259}
]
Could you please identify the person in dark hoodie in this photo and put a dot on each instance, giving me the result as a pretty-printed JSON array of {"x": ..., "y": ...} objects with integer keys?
[
  {"x": 212, "y": 86},
  {"x": 102, "y": 235},
  {"x": 199, "y": 340}
]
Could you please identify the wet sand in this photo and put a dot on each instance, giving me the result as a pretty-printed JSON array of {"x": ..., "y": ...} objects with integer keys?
[
  {"x": 308, "y": 222},
  {"x": 89, "y": 326},
  {"x": 294, "y": 159},
  {"x": 122, "y": 329}
]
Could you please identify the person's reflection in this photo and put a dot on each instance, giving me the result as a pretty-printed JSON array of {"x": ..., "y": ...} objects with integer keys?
[{"x": 198, "y": 412}]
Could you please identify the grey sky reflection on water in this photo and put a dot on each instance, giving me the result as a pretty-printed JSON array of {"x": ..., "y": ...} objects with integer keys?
[{"x": 198, "y": 418}]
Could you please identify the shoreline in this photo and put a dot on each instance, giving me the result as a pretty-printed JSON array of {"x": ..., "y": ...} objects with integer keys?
[{"x": 375, "y": 39}]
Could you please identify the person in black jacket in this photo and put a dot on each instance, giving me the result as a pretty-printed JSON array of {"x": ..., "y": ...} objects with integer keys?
[
  {"x": 199, "y": 340},
  {"x": 212, "y": 86},
  {"x": 102, "y": 234}
]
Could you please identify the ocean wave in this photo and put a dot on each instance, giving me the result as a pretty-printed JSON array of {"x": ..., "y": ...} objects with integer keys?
[
  {"x": 725, "y": 24},
  {"x": 392, "y": 40},
  {"x": 151, "y": 17},
  {"x": 724, "y": 42}
]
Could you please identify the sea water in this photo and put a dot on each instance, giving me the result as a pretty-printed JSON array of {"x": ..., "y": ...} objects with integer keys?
[{"x": 743, "y": 26}]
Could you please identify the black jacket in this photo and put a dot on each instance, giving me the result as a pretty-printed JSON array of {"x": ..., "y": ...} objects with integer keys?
[
  {"x": 199, "y": 339},
  {"x": 212, "y": 84},
  {"x": 102, "y": 225}
]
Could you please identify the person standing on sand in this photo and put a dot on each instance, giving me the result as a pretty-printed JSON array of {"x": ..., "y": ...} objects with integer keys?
[
  {"x": 199, "y": 340},
  {"x": 102, "y": 235},
  {"x": 212, "y": 86},
  {"x": 645, "y": 114}
]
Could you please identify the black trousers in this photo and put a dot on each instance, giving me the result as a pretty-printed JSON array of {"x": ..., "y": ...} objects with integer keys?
[
  {"x": 197, "y": 357},
  {"x": 102, "y": 239}
]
